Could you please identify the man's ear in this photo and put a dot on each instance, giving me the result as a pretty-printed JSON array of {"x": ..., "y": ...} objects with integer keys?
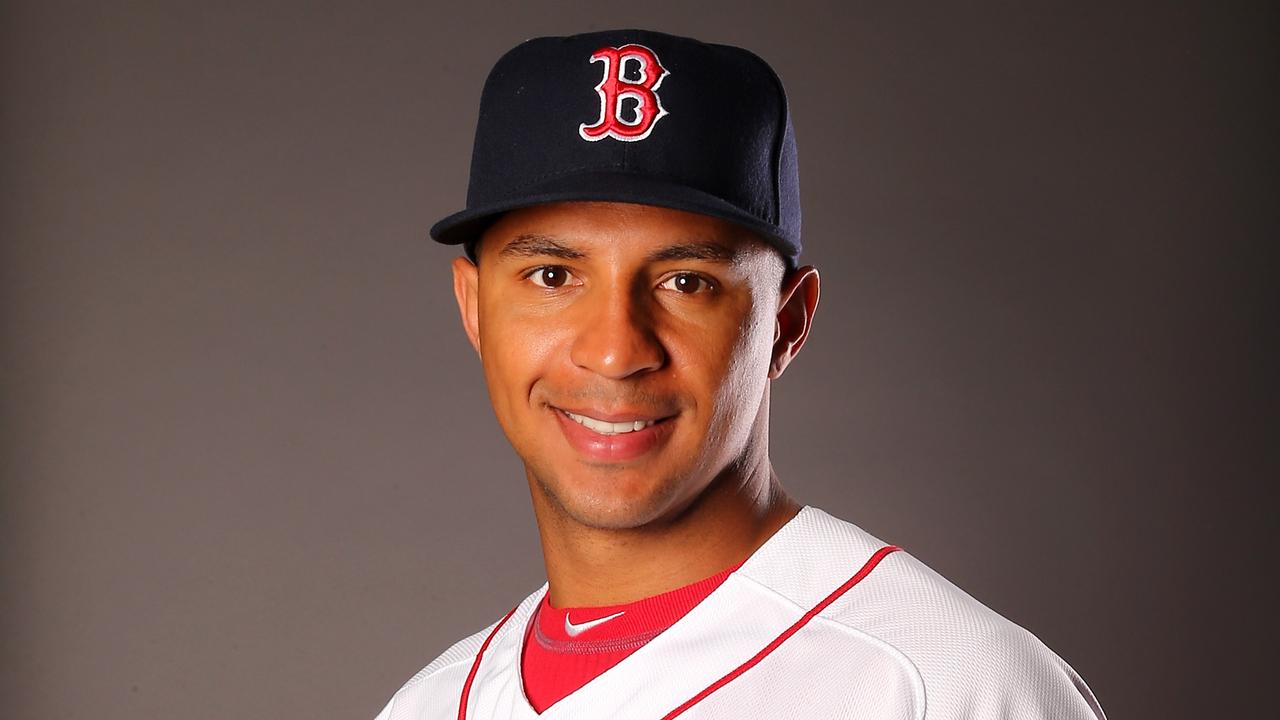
[
  {"x": 797, "y": 302},
  {"x": 466, "y": 285}
]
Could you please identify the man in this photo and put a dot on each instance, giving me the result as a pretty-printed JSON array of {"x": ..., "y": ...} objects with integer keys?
[{"x": 632, "y": 287}]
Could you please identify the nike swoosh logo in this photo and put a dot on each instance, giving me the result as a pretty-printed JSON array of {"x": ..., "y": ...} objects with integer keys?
[{"x": 574, "y": 630}]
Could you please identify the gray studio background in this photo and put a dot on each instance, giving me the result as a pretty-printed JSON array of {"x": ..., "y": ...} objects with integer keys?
[{"x": 249, "y": 467}]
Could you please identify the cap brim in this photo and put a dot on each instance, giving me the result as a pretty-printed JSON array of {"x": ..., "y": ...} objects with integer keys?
[{"x": 470, "y": 224}]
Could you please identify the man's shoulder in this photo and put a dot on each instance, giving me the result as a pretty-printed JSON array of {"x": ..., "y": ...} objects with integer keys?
[
  {"x": 428, "y": 686},
  {"x": 972, "y": 661},
  {"x": 434, "y": 690}
]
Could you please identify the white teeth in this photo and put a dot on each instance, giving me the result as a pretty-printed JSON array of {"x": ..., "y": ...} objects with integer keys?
[{"x": 609, "y": 428}]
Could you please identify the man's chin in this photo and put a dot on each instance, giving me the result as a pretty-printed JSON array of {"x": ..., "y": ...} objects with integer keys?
[{"x": 605, "y": 508}]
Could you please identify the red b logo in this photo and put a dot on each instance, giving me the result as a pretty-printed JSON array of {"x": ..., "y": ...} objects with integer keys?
[{"x": 615, "y": 88}]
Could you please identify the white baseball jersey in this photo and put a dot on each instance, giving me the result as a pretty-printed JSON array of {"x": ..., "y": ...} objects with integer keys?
[{"x": 823, "y": 621}]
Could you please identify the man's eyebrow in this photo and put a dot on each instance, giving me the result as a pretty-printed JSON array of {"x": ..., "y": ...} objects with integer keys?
[
  {"x": 711, "y": 251},
  {"x": 539, "y": 245}
]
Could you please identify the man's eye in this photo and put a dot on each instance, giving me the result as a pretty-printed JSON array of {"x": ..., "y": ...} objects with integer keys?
[
  {"x": 550, "y": 277},
  {"x": 687, "y": 283}
]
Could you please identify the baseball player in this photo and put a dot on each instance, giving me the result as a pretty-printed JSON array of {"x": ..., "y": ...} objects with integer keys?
[{"x": 632, "y": 287}]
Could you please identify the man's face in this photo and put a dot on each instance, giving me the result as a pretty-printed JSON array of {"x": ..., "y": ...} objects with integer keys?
[{"x": 627, "y": 349}]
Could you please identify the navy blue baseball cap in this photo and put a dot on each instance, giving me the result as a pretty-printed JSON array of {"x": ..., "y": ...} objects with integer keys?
[{"x": 634, "y": 116}]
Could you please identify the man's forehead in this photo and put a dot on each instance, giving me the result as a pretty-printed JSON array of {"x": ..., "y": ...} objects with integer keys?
[
  {"x": 572, "y": 248},
  {"x": 582, "y": 230}
]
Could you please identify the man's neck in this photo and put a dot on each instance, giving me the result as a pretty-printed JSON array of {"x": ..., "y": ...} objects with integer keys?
[{"x": 723, "y": 526}]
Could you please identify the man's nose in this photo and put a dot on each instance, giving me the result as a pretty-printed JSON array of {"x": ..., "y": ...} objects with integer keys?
[{"x": 616, "y": 337}]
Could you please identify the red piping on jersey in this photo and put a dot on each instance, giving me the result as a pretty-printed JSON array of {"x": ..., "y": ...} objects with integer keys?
[
  {"x": 471, "y": 676},
  {"x": 732, "y": 675},
  {"x": 866, "y": 570}
]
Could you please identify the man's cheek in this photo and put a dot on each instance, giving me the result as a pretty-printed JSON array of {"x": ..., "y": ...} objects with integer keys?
[{"x": 539, "y": 342}]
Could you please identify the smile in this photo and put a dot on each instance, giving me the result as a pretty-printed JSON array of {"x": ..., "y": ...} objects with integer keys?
[
  {"x": 622, "y": 438},
  {"x": 605, "y": 427}
]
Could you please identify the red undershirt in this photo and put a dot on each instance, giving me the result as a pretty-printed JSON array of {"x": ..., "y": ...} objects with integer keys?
[{"x": 565, "y": 649}]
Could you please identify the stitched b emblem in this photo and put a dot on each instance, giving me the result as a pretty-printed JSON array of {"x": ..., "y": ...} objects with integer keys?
[{"x": 620, "y": 119}]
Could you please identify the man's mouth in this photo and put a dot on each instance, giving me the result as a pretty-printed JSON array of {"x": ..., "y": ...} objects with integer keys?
[
  {"x": 604, "y": 427},
  {"x": 625, "y": 436}
]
